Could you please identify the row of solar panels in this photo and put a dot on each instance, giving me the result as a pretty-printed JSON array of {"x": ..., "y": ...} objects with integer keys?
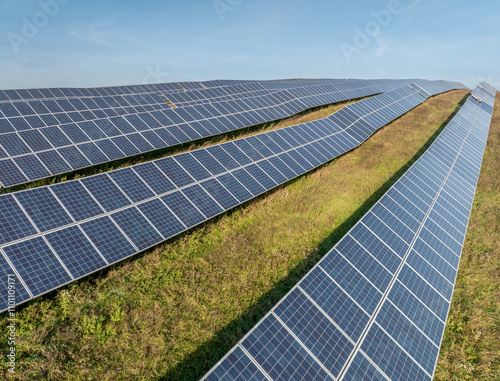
[
  {"x": 46, "y": 93},
  {"x": 484, "y": 95},
  {"x": 486, "y": 86},
  {"x": 63, "y": 92},
  {"x": 75, "y": 109},
  {"x": 26, "y": 115},
  {"x": 23, "y": 115},
  {"x": 90, "y": 108},
  {"x": 37, "y": 153},
  {"x": 52, "y": 235},
  {"x": 200, "y": 96},
  {"x": 375, "y": 307}
]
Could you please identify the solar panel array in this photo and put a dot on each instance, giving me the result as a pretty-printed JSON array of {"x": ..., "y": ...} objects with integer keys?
[
  {"x": 52, "y": 235},
  {"x": 40, "y": 138},
  {"x": 375, "y": 307}
]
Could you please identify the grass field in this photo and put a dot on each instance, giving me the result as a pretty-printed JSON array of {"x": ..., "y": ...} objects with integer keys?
[
  {"x": 172, "y": 312},
  {"x": 471, "y": 346}
]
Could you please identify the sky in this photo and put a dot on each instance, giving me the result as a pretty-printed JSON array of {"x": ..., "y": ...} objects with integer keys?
[{"x": 91, "y": 43}]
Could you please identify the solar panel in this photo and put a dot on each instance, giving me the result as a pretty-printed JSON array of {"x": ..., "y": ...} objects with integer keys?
[
  {"x": 76, "y": 144},
  {"x": 125, "y": 211},
  {"x": 375, "y": 307}
]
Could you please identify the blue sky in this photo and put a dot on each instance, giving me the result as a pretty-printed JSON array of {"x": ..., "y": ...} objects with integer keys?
[{"x": 84, "y": 43}]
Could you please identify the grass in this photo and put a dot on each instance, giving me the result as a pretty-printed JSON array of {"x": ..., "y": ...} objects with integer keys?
[
  {"x": 171, "y": 313},
  {"x": 471, "y": 344}
]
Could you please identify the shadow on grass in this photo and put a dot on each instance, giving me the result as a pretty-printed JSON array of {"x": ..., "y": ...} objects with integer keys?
[{"x": 197, "y": 363}]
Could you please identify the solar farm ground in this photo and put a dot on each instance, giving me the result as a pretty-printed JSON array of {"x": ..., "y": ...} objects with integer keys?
[{"x": 172, "y": 312}]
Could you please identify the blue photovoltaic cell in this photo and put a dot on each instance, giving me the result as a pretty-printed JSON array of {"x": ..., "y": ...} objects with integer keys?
[
  {"x": 248, "y": 150},
  {"x": 43, "y": 209},
  {"x": 137, "y": 228},
  {"x": 192, "y": 166},
  {"x": 315, "y": 331},
  {"x": 74, "y": 157},
  {"x": 106, "y": 192},
  {"x": 154, "y": 178},
  {"x": 385, "y": 234},
  {"x": 108, "y": 239},
  {"x": 365, "y": 263},
  {"x": 183, "y": 209},
  {"x": 107, "y": 127},
  {"x": 426, "y": 293},
  {"x": 178, "y": 134},
  {"x": 75, "y": 133},
  {"x": 6, "y": 126},
  {"x": 237, "y": 366},
  {"x": 430, "y": 274},
  {"x": 33, "y": 168},
  {"x": 125, "y": 145},
  {"x": 153, "y": 139},
  {"x": 282, "y": 168},
  {"x": 260, "y": 147},
  {"x": 10, "y": 174},
  {"x": 390, "y": 358},
  {"x": 307, "y": 155},
  {"x": 174, "y": 172},
  {"x": 219, "y": 193},
  {"x": 37, "y": 265},
  {"x": 76, "y": 252},
  {"x": 55, "y": 136},
  {"x": 77, "y": 200},
  {"x": 166, "y": 136},
  {"x": 236, "y": 153},
  {"x": 362, "y": 369},
  {"x": 54, "y": 162},
  {"x": 110, "y": 149},
  {"x": 202, "y": 201},
  {"x": 342, "y": 309},
  {"x": 280, "y": 355},
  {"x": 161, "y": 218},
  {"x": 131, "y": 184},
  {"x": 248, "y": 181},
  {"x": 259, "y": 175},
  {"x": 13, "y": 145},
  {"x": 9, "y": 277},
  {"x": 223, "y": 157},
  {"x": 357, "y": 286},
  {"x": 408, "y": 336},
  {"x": 376, "y": 247},
  {"x": 35, "y": 140},
  {"x": 212, "y": 165},
  {"x": 92, "y": 153},
  {"x": 141, "y": 143},
  {"x": 272, "y": 172},
  {"x": 416, "y": 311},
  {"x": 292, "y": 164},
  {"x": 235, "y": 187},
  {"x": 295, "y": 155}
]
